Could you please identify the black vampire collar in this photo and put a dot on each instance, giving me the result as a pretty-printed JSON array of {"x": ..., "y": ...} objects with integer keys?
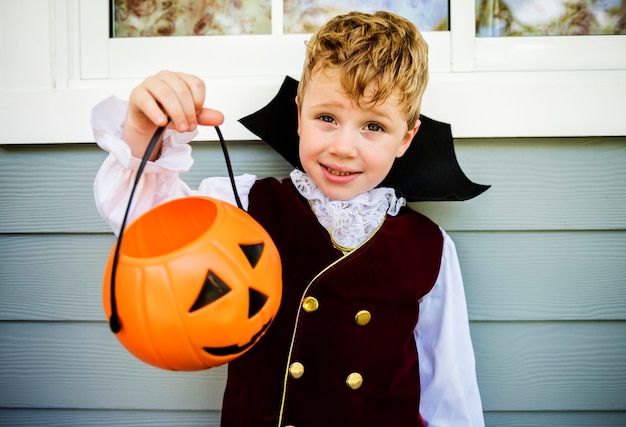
[{"x": 428, "y": 171}]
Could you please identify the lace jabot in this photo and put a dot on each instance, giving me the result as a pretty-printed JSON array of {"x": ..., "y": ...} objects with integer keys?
[{"x": 349, "y": 222}]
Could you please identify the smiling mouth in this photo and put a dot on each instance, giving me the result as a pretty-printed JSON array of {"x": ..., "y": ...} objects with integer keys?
[{"x": 339, "y": 173}]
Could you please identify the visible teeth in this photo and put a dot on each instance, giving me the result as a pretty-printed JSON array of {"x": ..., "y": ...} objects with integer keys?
[{"x": 338, "y": 173}]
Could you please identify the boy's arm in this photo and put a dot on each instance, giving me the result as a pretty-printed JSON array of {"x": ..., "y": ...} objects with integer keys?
[
  {"x": 450, "y": 395},
  {"x": 160, "y": 181},
  {"x": 114, "y": 180}
]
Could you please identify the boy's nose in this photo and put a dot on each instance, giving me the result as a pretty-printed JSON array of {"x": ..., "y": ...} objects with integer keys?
[{"x": 343, "y": 145}]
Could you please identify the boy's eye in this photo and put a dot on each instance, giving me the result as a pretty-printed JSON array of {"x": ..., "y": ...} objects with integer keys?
[
  {"x": 374, "y": 127},
  {"x": 326, "y": 118}
]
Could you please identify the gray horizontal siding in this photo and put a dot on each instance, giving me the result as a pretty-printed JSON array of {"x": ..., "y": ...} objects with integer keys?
[
  {"x": 575, "y": 184},
  {"x": 96, "y": 418},
  {"x": 551, "y": 366},
  {"x": 508, "y": 275},
  {"x": 543, "y": 255},
  {"x": 521, "y": 366},
  {"x": 556, "y": 419},
  {"x": 82, "y": 365}
]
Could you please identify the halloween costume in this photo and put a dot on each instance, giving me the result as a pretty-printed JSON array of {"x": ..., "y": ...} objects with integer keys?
[
  {"x": 349, "y": 356},
  {"x": 353, "y": 359}
]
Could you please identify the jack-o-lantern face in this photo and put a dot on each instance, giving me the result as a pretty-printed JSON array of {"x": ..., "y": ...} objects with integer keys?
[{"x": 198, "y": 283}]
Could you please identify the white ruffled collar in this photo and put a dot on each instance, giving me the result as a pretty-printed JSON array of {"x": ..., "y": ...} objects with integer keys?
[{"x": 349, "y": 222}]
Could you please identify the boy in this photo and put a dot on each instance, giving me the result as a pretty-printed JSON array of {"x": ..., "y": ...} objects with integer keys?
[{"x": 372, "y": 328}]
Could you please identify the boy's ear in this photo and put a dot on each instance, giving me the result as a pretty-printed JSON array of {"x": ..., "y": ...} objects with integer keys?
[
  {"x": 427, "y": 171},
  {"x": 298, "y": 106},
  {"x": 406, "y": 142}
]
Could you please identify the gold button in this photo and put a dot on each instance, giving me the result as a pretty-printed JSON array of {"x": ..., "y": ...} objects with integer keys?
[
  {"x": 363, "y": 317},
  {"x": 354, "y": 380},
  {"x": 310, "y": 304},
  {"x": 296, "y": 370}
]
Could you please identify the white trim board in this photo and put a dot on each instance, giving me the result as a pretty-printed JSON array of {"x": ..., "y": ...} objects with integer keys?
[{"x": 476, "y": 104}]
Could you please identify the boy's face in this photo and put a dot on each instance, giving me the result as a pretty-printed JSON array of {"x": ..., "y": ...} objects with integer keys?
[{"x": 345, "y": 148}]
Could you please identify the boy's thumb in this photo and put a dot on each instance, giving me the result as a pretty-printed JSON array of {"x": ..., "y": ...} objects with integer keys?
[{"x": 209, "y": 117}]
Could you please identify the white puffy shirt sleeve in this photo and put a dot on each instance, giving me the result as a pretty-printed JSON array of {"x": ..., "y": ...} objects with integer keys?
[
  {"x": 160, "y": 181},
  {"x": 449, "y": 389}
]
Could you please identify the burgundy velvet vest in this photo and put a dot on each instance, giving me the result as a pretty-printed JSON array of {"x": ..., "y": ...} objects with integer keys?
[{"x": 352, "y": 370}]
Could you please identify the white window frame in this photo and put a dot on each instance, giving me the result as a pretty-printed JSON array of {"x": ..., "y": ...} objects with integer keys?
[
  {"x": 483, "y": 87},
  {"x": 209, "y": 56},
  {"x": 214, "y": 56}
]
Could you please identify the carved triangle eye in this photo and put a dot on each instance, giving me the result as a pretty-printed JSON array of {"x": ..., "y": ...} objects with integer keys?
[
  {"x": 257, "y": 301},
  {"x": 252, "y": 252},
  {"x": 213, "y": 289}
]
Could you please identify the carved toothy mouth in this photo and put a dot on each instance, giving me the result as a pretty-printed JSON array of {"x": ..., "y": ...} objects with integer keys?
[{"x": 235, "y": 349}]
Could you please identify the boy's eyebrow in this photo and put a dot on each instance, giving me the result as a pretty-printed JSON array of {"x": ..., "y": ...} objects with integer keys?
[
  {"x": 327, "y": 104},
  {"x": 374, "y": 110}
]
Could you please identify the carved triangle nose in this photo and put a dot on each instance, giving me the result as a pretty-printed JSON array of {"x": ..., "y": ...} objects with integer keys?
[{"x": 257, "y": 301}]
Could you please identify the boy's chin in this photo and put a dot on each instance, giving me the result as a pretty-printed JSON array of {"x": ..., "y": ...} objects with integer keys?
[{"x": 340, "y": 193}]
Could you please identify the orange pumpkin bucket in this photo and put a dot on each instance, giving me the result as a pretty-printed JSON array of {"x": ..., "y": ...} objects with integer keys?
[{"x": 194, "y": 284}]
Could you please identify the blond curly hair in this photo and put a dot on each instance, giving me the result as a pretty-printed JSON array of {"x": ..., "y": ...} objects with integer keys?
[{"x": 381, "y": 48}]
